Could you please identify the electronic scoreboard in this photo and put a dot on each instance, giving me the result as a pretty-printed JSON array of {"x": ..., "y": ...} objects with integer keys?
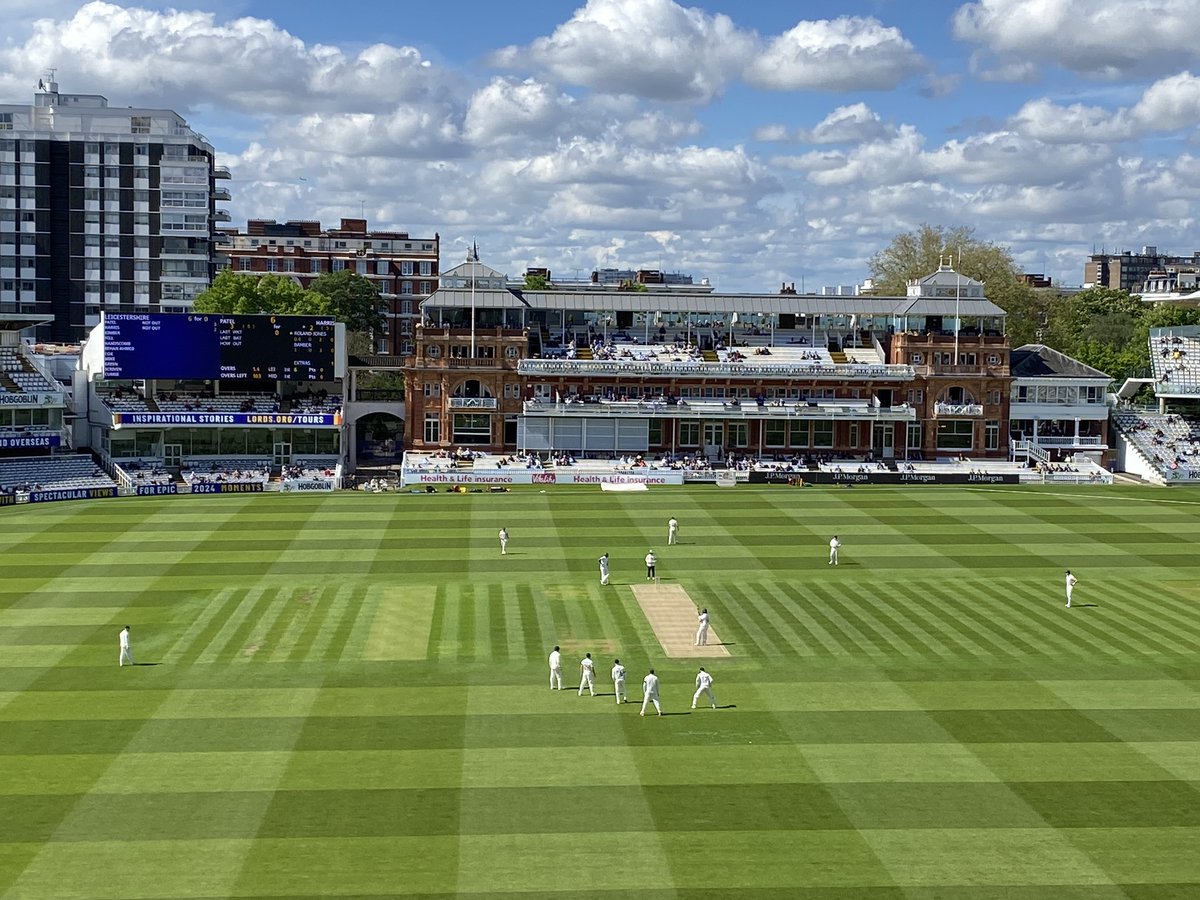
[{"x": 208, "y": 346}]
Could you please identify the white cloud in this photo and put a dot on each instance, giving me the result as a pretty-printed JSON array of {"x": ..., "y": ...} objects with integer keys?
[
  {"x": 187, "y": 59},
  {"x": 648, "y": 48},
  {"x": 852, "y": 124},
  {"x": 509, "y": 108},
  {"x": 843, "y": 54},
  {"x": 1096, "y": 38}
]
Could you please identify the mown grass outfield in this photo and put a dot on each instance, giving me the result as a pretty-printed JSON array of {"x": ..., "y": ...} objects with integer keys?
[{"x": 349, "y": 697}]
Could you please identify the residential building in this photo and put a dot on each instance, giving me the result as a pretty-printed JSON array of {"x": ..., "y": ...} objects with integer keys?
[
  {"x": 403, "y": 268},
  {"x": 102, "y": 208},
  {"x": 1128, "y": 271}
]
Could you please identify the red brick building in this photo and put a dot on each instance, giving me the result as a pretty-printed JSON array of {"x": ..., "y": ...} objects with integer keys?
[{"x": 403, "y": 268}]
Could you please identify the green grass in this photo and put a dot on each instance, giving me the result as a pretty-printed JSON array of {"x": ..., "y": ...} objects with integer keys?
[{"x": 349, "y": 697}]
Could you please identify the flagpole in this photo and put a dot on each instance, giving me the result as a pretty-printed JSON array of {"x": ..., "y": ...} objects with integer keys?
[
  {"x": 957, "y": 293},
  {"x": 474, "y": 257}
]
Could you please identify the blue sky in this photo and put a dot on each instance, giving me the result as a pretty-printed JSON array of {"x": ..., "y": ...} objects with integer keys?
[{"x": 749, "y": 143}]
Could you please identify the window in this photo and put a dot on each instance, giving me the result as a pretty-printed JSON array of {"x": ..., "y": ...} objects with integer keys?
[
  {"x": 512, "y": 391},
  {"x": 339, "y": 265},
  {"x": 406, "y": 287},
  {"x": 6, "y": 121},
  {"x": 406, "y": 307},
  {"x": 914, "y": 435},
  {"x": 272, "y": 265},
  {"x": 955, "y": 434},
  {"x": 689, "y": 434},
  {"x": 360, "y": 267},
  {"x": 381, "y": 267},
  {"x": 433, "y": 389},
  {"x": 798, "y": 433},
  {"x": 426, "y": 287},
  {"x": 854, "y": 434},
  {"x": 315, "y": 267},
  {"x": 426, "y": 267},
  {"x": 141, "y": 150},
  {"x": 738, "y": 434},
  {"x": 139, "y": 124},
  {"x": 244, "y": 264},
  {"x": 991, "y": 436},
  {"x": 289, "y": 265},
  {"x": 774, "y": 433},
  {"x": 822, "y": 435},
  {"x": 433, "y": 428},
  {"x": 406, "y": 267},
  {"x": 472, "y": 428}
]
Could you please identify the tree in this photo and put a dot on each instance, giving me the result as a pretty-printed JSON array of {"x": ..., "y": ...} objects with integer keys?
[
  {"x": 536, "y": 283},
  {"x": 915, "y": 254},
  {"x": 352, "y": 299},
  {"x": 249, "y": 294}
]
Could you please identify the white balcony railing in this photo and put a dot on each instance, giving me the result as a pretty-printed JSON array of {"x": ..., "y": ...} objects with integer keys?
[
  {"x": 1069, "y": 441},
  {"x": 715, "y": 369},
  {"x": 473, "y": 403},
  {"x": 972, "y": 410}
]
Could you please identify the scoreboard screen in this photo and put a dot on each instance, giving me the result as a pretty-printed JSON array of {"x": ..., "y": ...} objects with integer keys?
[{"x": 216, "y": 346}]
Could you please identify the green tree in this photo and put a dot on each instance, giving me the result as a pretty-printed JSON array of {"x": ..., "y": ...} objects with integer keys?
[
  {"x": 352, "y": 299},
  {"x": 249, "y": 294},
  {"x": 915, "y": 254},
  {"x": 537, "y": 283}
]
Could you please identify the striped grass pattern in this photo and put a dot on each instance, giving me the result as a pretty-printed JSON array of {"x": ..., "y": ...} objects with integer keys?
[{"x": 346, "y": 696}]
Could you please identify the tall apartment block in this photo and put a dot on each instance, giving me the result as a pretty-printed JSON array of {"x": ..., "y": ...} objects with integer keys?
[
  {"x": 102, "y": 208},
  {"x": 403, "y": 268}
]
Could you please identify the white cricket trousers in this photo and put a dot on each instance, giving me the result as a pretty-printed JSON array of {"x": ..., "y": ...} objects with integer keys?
[
  {"x": 556, "y": 679},
  {"x": 619, "y": 687},
  {"x": 587, "y": 681},
  {"x": 704, "y": 690},
  {"x": 126, "y": 657},
  {"x": 648, "y": 699}
]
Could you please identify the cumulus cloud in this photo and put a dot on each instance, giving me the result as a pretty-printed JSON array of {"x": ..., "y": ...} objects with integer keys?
[
  {"x": 509, "y": 108},
  {"x": 189, "y": 59},
  {"x": 1170, "y": 105},
  {"x": 1096, "y": 38},
  {"x": 844, "y": 54},
  {"x": 845, "y": 125},
  {"x": 648, "y": 48}
]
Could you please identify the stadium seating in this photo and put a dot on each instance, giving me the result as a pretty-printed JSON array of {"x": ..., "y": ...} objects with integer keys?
[
  {"x": 225, "y": 403},
  {"x": 236, "y": 469},
  {"x": 51, "y": 473},
  {"x": 1175, "y": 360},
  {"x": 1168, "y": 442},
  {"x": 134, "y": 472}
]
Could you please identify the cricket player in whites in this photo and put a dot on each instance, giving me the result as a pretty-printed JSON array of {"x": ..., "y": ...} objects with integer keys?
[
  {"x": 702, "y": 628},
  {"x": 650, "y": 692},
  {"x": 1071, "y": 582},
  {"x": 504, "y": 542},
  {"x": 587, "y": 675},
  {"x": 555, "y": 670},
  {"x": 704, "y": 686},
  {"x": 834, "y": 546},
  {"x": 672, "y": 531},
  {"x": 126, "y": 654},
  {"x": 618, "y": 677}
]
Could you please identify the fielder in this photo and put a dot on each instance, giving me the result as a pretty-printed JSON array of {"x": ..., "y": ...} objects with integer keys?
[
  {"x": 587, "y": 675},
  {"x": 650, "y": 692},
  {"x": 702, "y": 630},
  {"x": 704, "y": 686},
  {"x": 618, "y": 677},
  {"x": 1071, "y": 582},
  {"x": 672, "y": 530},
  {"x": 504, "y": 542},
  {"x": 555, "y": 670},
  {"x": 834, "y": 546},
  {"x": 126, "y": 653},
  {"x": 604, "y": 569}
]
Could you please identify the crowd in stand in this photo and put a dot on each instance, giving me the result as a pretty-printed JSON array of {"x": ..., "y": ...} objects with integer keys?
[{"x": 226, "y": 471}]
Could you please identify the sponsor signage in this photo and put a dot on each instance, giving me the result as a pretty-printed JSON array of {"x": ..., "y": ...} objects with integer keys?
[
  {"x": 49, "y": 399},
  {"x": 251, "y": 420},
  {"x": 93, "y": 493},
  {"x": 228, "y": 487},
  {"x": 306, "y": 484},
  {"x": 886, "y": 477},
  {"x": 29, "y": 441},
  {"x": 537, "y": 476},
  {"x": 7, "y": 499},
  {"x": 154, "y": 490}
]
